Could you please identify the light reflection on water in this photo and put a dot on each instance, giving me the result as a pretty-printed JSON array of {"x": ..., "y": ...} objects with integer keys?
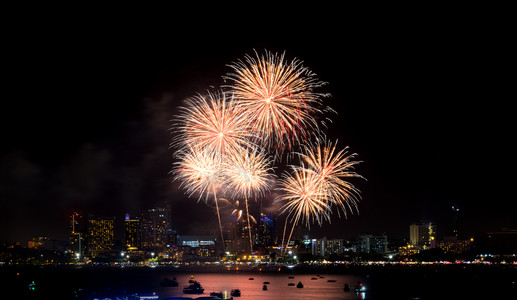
[{"x": 278, "y": 288}]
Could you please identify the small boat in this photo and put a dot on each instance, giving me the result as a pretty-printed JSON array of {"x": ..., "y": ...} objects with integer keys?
[
  {"x": 216, "y": 294},
  {"x": 360, "y": 288},
  {"x": 314, "y": 278},
  {"x": 299, "y": 285},
  {"x": 346, "y": 288},
  {"x": 236, "y": 293},
  {"x": 194, "y": 288},
  {"x": 331, "y": 280},
  {"x": 290, "y": 284},
  {"x": 168, "y": 282},
  {"x": 219, "y": 295},
  {"x": 290, "y": 277},
  {"x": 266, "y": 282},
  {"x": 251, "y": 278},
  {"x": 264, "y": 287}
]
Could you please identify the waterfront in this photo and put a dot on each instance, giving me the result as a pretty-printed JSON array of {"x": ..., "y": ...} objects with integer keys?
[{"x": 392, "y": 282}]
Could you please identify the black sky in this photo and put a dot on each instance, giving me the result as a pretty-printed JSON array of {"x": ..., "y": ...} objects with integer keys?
[{"x": 87, "y": 108}]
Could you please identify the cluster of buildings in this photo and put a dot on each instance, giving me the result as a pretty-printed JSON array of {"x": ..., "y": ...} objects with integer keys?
[{"x": 150, "y": 235}]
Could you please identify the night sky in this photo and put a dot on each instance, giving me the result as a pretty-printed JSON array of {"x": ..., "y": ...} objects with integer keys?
[{"x": 87, "y": 106}]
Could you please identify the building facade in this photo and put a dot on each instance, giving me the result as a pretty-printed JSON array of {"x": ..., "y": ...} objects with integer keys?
[
  {"x": 325, "y": 247},
  {"x": 132, "y": 234},
  {"x": 422, "y": 235},
  {"x": 373, "y": 243},
  {"x": 100, "y": 237}
]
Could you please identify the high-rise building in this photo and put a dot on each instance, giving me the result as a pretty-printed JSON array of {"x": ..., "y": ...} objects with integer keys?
[
  {"x": 325, "y": 247},
  {"x": 78, "y": 234},
  {"x": 422, "y": 234},
  {"x": 157, "y": 230},
  {"x": 239, "y": 236},
  {"x": 132, "y": 233},
  {"x": 454, "y": 221},
  {"x": 373, "y": 243},
  {"x": 100, "y": 235},
  {"x": 266, "y": 231}
]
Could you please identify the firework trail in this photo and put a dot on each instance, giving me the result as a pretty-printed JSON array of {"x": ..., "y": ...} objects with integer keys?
[
  {"x": 248, "y": 174},
  {"x": 277, "y": 97},
  {"x": 199, "y": 172}
]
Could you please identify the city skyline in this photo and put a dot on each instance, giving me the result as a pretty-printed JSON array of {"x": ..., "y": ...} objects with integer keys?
[{"x": 91, "y": 129}]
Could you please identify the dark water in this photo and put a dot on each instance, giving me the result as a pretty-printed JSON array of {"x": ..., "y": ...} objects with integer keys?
[{"x": 446, "y": 282}]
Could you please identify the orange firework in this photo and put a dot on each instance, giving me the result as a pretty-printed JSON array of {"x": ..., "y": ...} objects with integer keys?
[
  {"x": 332, "y": 168},
  {"x": 213, "y": 123},
  {"x": 277, "y": 97},
  {"x": 199, "y": 172},
  {"x": 248, "y": 174}
]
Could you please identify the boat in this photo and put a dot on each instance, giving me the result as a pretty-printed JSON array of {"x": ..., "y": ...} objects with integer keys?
[
  {"x": 360, "y": 288},
  {"x": 299, "y": 285},
  {"x": 290, "y": 277},
  {"x": 219, "y": 296},
  {"x": 290, "y": 284},
  {"x": 346, "y": 288},
  {"x": 266, "y": 282},
  {"x": 215, "y": 294},
  {"x": 314, "y": 278},
  {"x": 168, "y": 282},
  {"x": 251, "y": 278},
  {"x": 264, "y": 287},
  {"x": 331, "y": 280},
  {"x": 194, "y": 288},
  {"x": 236, "y": 293}
]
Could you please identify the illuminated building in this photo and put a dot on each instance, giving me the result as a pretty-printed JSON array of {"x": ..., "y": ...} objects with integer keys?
[
  {"x": 132, "y": 233},
  {"x": 422, "y": 234},
  {"x": 265, "y": 230},
  {"x": 157, "y": 230},
  {"x": 78, "y": 234},
  {"x": 239, "y": 236},
  {"x": 100, "y": 235},
  {"x": 196, "y": 240},
  {"x": 197, "y": 247},
  {"x": 324, "y": 247},
  {"x": 453, "y": 245},
  {"x": 373, "y": 243},
  {"x": 454, "y": 221}
]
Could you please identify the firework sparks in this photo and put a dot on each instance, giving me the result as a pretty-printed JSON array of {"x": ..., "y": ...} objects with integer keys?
[
  {"x": 332, "y": 168},
  {"x": 213, "y": 123},
  {"x": 248, "y": 174},
  {"x": 238, "y": 212},
  {"x": 199, "y": 173},
  {"x": 303, "y": 198},
  {"x": 278, "y": 97}
]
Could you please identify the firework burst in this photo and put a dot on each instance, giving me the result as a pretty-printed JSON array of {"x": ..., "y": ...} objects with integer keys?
[
  {"x": 212, "y": 123},
  {"x": 277, "y": 97},
  {"x": 248, "y": 174},
  {"x": 332, "y": 168},
  {"x": 304, "y": 200},
  {"x": 199, "y": 172}
]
